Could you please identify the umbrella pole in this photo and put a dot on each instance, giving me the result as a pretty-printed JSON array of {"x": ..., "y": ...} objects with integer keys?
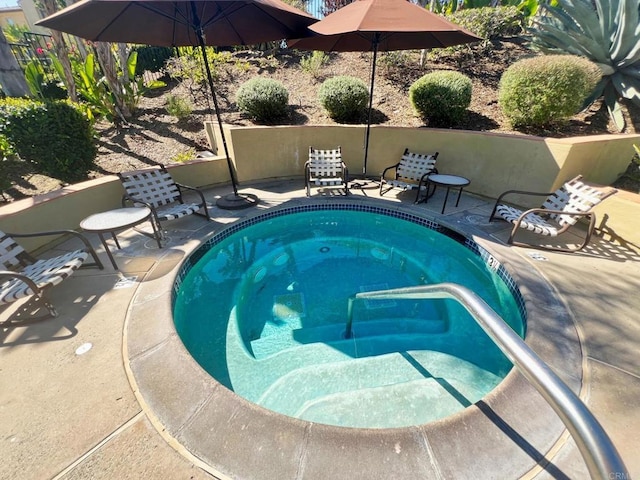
[
  {"x": 365, "y": 181},
  {"x": 373, "y": 76},
  {"x": 234, "y": 201}
]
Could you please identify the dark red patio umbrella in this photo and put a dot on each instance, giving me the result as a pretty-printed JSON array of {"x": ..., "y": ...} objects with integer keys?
[
  {"x": 177, "y": 23},
  {"x": 381, "y": 25}
]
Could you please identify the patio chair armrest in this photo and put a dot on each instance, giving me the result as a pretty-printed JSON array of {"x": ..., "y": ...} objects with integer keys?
[
  {"x": 425, "y": 175},
  {"x": 128, "y": 198},
  {"x": 8, "y": 275},
  {"x": 87, "y": 244},
  {"x": 523, "y": 192},
  {"x": 193, "y": 189},
  {"x": 345, "y": 172},
  {"x": 546, "y": 211},
  {"x": 518, "y": 192},
  {"x": 389, "y": 168}
]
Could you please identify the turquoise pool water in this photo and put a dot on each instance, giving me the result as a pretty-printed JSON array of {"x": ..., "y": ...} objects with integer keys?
[{"x": 263, "y": 307}]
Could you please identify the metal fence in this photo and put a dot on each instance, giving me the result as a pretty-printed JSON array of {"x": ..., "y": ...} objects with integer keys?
[{"x": 34, "y": 46}]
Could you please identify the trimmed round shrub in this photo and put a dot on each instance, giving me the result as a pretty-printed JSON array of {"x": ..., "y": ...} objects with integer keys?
[
  {"x": 441, "y": 98},
  {"x": 547, "y": 89},
  {"x": 263, "y": 99},
  {"x": 344, "y": 98},
  {"x": 54, "y": 136}
]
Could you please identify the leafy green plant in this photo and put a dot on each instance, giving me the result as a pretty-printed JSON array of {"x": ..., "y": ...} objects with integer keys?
[
  {"x": 441, "y": 98},
  {"x": 546, "y": 89},
  {"x": 5, "y": 183},
  {"x": 6, "y": 150},
  {"x": 54, "y": 136},
  {"x": 40, "y": 86},
  {"x": 91, "y": 87},
  {"x": 6, "y": 155},
  {"x": 178, "y": 107},
  {"x": 263, "y": 99},
  {"x": 34, "y": 75},
  {"x": 184, "y": 156},
  {"x": 14, "y": 32},
  {"x": 312, "y": 64},
  {"x": 344, "y": 98},
  {"x": 490, "y": 22},
  {"x": 605, "y": 32},
  {"x": 394, "y": 63},
  {"x": 189, "y": 64},
  {"x": 135, "y": 88}
]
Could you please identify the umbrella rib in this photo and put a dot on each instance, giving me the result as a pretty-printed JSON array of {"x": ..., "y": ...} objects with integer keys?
[
  {"x": 106, "y": 27},
  {"x": 223, "y": 13},
  {"x": 178, "y": 17}
]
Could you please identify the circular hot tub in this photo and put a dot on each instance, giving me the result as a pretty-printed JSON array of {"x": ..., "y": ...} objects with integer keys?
[
  {"x": 501, "y": 433},
  {"x": 269, "y": 310}
]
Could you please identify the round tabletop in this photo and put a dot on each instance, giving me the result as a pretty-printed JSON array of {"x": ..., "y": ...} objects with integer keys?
[
  {"x": 115, "y": 219},
  {"x": 449, "y": 180}
]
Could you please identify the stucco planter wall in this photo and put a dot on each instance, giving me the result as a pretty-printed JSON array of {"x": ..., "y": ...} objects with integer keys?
[{"x": 493, "y": 163}]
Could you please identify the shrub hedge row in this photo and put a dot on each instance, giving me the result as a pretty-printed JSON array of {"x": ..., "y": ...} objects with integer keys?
[{"x": 55, "y": 136}]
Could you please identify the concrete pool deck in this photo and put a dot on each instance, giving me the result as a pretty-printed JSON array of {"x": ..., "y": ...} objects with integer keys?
[{"x": 69, "y": 414}]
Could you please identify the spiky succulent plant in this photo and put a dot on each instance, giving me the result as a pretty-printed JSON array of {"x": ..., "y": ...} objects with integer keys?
[{"x": 607, "y": 32}]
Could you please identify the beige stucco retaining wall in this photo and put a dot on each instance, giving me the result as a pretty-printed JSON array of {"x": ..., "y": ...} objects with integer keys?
[
  {"x": 65, "y": 208},
  {"x": 493, "y": 162}
]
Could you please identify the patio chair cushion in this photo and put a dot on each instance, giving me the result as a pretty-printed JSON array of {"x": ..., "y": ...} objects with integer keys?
[
  {"x": 410, "y": 172},
  {"x": 531, "y": 221},
  {"x": 412, "y": 168},
  {"x": 326, "y": 168},
  {"x": 560, "y": 210},
  {"x": 171, "y": 212},
  {"x": 157, "y": 189},
  {"x": 44, "y": 273}
]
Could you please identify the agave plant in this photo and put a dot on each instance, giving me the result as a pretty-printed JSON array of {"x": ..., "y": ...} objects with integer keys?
[{"x": 607, "y": 32}]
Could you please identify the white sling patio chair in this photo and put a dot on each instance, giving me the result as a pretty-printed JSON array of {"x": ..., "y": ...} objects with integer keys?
[
  {"x": 156, "y": 189},
  {"x": 410, "y": 172},
  {"x": 561, "y": 210},
  {"x": 22, "y": 275},
  {"x": 325, "y": 168}
]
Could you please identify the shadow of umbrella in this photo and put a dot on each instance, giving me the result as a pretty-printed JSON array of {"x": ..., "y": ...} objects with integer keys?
[
  {"x": 196, "y": 23},
  {"x": 381, "y": 25}
]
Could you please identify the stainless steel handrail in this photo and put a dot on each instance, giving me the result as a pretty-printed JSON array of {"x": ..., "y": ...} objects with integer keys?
[{"x": 600, "y": 455}]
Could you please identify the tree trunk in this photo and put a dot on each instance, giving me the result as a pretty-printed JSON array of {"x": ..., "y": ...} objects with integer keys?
[
  {"x": 11, "y": 76},
  {"x": 123, "y": 58},
  {"x": 62, "y": 54},
  {"x": 107, "y": 62}
]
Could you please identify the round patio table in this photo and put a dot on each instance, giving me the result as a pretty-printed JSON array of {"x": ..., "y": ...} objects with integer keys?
[
  {"x": 448, "y": 181},
  {"x": 116, "y": 220}
]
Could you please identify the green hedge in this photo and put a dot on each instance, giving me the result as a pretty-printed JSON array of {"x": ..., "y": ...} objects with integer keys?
[
  {"x": 345, "y": 98},
  {"x": 54, "y": 136},
  {"x": 547, "y": 89},
  {"x": 441, "y": 98}
]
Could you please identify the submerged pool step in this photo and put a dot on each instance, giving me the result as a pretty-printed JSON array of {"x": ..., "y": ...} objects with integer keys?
[
  {"x": 291, "y": 338},
  {"x": 412, "y": 379},
  {"x": 409, "y": 403},
  {"x": 253, "y": 377}
]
